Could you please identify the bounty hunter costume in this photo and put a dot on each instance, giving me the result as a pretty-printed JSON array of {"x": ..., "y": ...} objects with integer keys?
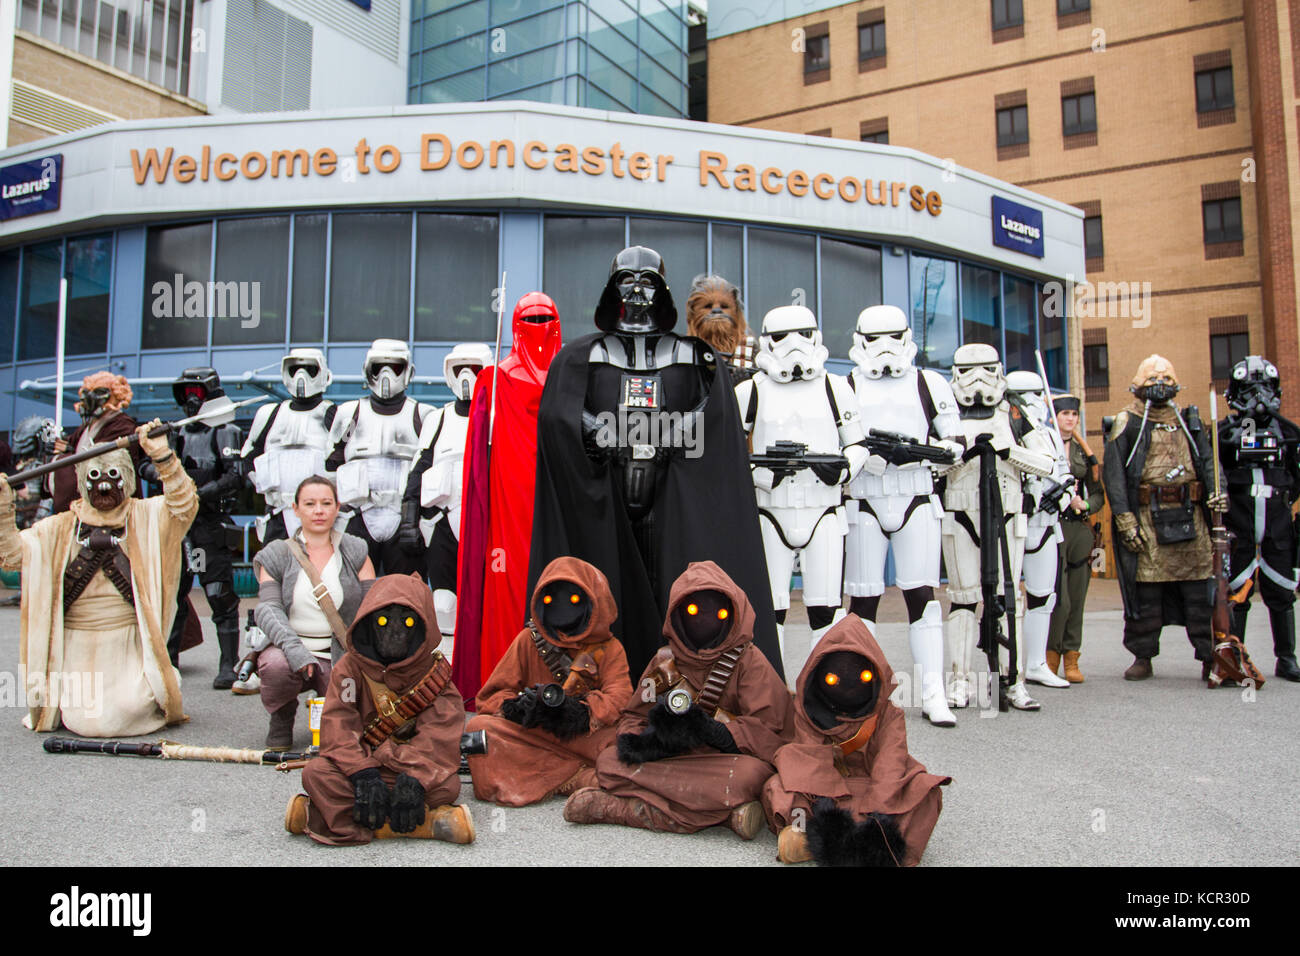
[
  {"x": 794, "y": 399},
  {"x": 431, "y": 505},
  {"x": 100, "y": 584},
  {"x": 979, "y": 387},
  {"x": 1263, "y": 473},
  {"x": 104, "y": 398},
  {"x": 892, "y": 502},
  {"x": 642, "y": 466},
  {"x": 288, "y": 442},
  {"x": 211, "y": 458},
  {"x": 1157, "y": 472},
  {"x": 375, "y": 440},
  {"x": 1048, "y": 497}
]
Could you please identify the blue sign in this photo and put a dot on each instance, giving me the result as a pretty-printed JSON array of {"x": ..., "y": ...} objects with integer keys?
[
  {"x": 1017, "y": 227},
  {"x": 31, "y": 187},
  {"x": 363, "y": 4}
]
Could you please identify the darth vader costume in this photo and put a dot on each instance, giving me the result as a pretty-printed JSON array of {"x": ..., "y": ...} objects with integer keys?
[{"x": 641, "y": 461}]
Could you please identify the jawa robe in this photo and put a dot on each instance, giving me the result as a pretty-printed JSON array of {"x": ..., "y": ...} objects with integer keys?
[
  {"x": 103, "y": 670},
  {"x": 432, "y": 756},
  {"x": 523, "y": 766},
  {"x": 700, "y": 789},
  {"x": 882, "y": 776}
]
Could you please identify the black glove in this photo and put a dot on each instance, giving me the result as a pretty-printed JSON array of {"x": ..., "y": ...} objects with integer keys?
[
  {"x": 597, "y": 439},
  {"x": 408, "y": 808},
  {"x": 209, "y": 491},
  {"x": 409, "y": 538},
  {"x": 830, "y": 473},
  {"x": 566, "y": 721},
  {"x": 717, "y": 736},
  {"x": 372, "y": 802},
  {"x": 522, "y": 710}
]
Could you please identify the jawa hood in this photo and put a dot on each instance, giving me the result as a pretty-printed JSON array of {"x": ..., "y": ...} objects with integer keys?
[
  {"x": 589, "y": 579},
  {"x": 411, "y": 591},
  {"x": 707, "y": 576},
  {"x": 850, "y": 634}
]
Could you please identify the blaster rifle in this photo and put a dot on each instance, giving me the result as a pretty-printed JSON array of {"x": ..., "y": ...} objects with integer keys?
[
  {"x": 892, "y": 446},
  {"x": 1050, "y": 498},
  {"x": 784, "y": 458},
  {"x": 994, "y": 555}
]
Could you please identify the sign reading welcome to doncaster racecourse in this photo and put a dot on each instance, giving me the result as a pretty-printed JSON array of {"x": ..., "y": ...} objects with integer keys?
[
  {"x": 1017, "y": 227},
  {"x": 437, "y": 152},
  {"x": 31, "y": 187}
]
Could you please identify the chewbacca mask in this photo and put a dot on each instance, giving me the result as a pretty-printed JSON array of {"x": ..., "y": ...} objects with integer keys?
[{"x": 714, "y": 313}]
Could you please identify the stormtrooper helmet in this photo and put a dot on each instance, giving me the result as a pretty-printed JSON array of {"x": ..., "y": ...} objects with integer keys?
[
  {"x": 1028, "y": 387},
  {"x": 977, "y": 378},
  {"x": 388, "y": 369},
  {"x": 305, "y": 373},
  {"x": 790, "y": 347},
  {"x": 882, "y": 342},
  {"x": 461, "y": 367}
]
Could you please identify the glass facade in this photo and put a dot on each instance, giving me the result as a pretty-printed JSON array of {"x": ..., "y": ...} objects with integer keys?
[{"x": 625, "y": 55}]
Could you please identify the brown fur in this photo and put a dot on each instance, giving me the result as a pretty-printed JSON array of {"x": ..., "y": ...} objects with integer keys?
[
  {"x": 120, "y": 393},
  {"x": 706, "y": 292}
]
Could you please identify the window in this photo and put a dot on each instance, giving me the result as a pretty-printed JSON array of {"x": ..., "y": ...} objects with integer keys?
[
  {"x": 882, "y": 137},
  {"x": 1226, "y": 351},
  {"x": 1214, "y": 90},
  {"x": 309, "y": 235},
  {"x": 1096, "y": 366},
  {"x": 1008, "y": 13},
  {"x": 174, "y": 258},
  {"x": 728, "y": 259},
  {"x": 782, "y": 271},
  {"x": 682, "y": 243},
  {"x": 576, "y": 252},
  {"x": 455, "y": 275},
  {"x": 817, "y": 53},
  {"x": 851, "y": 281},
  {"x": 8, "y": 302},
  {"x": 874, "y": 131},
  {"x": 1092, "y": 244},
  {"x": 981, "y": 306},
  {"x": 1078, "y": 114},
  {"x": 370, "y": 277},
  {"x": 1018, "y": 308},
  {"x": 251, "y": 285},
  {"x": 871, "y": 40},
  {"x": 90, "y": 275},
  {"x": 1066, "y": 7},
  {"x": 1221, "y": 220},
  {"x": 933, "y": 287},
  {"x": 1013, "y": 126}
]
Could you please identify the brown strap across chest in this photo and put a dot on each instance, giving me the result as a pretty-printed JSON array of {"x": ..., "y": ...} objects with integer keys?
[
  {"x": 99, "y": 551},
  {"x": 395, "y": 715},
  {"x": 555, "y": 659},
  {"x": 709, "y": 696},
  {"x": 320, "y": 591}
]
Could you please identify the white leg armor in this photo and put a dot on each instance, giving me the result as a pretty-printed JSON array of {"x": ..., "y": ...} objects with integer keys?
[
  {"x": 961, "y": 557},
  {"x": 780, "y": 563},
  {"x": 926, "y": 639},
  {"x": 1040, "y": 582}
]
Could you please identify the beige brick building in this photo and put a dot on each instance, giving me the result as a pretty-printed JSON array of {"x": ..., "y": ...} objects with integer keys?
[{"x": 1174, "y": 124}]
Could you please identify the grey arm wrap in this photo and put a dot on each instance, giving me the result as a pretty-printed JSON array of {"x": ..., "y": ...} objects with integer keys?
[{"x": 271, "y": 618}]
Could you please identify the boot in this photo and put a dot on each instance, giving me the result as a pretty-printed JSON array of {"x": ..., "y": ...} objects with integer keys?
[
  {"x": 792, "y": 846},
  {"x": 1283, "y": 624},
  {"x": 1018, "y": 697},
  {"x": 925, "y": 635},
  {"x": 452, "y": 824},
  {"x": 295, "y": 814},
  {"x": 1140, "y": 669},
  {"x": 961, "y": 635},
  {"x": 1054, "y": 662},
  {"x": 228, "y": 641},
  {"x": 1037, "y": 623},
  {"x": 747, "y": 820},
  {"x": 248, "y": 688},
  {"x": 593, "y": 805},
  {"x": 1072, "y": 672},
  {"x": 584, "y": 778},
  {"x": 279, "y": 736}
]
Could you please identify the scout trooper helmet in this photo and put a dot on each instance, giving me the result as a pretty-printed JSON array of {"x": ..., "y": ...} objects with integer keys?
[
  {"x": 790, "y": 347},
  {"x": 461, "y": 367},
  {"x": 882, "y": 342},
  {"x": 388, "y": 369},
  {"x": 977, "y": 378},
  {"x": 305, "y": 373}
]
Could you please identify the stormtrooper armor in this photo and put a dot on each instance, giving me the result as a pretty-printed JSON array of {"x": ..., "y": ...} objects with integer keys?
[
  {"x": 979, "y": 386},
  {"x": 431, "y": 504},
  {"x": 1043, "y": 532},
  {"x": 288, "y": 442},
  {"x": 375, "y": 439},
  {"x": 893, "y": 504},
  {"x": 793, "y": 398}
]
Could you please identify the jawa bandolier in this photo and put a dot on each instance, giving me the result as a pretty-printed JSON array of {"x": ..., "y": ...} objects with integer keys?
[
  {"x": 1157, "y": 472},
  {"x": 211, "y": 457},
  {"x": 1258, "y": 450}
]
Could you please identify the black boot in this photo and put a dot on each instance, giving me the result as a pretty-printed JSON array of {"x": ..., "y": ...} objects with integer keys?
[
  {"x": 280, "y": 734},
  {"x": 228, "y": 641},
  {"x": 1283, "y": 624}
]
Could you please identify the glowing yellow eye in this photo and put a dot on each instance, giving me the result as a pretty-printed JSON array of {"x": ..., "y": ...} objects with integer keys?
[
  {"x": 574, "y": 599},
  {"x": 867, "y": 677},
  {"x": 692, "y": 610},
  {"x": 722, "y": 614},
  {"x": 410, "y": 622},
  {"x": 546, "y": 599},
  {"x": 832, "y": 679},
  {"x": 383, "y": 621}
]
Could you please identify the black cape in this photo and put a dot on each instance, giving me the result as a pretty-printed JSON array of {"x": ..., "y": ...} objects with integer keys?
[{"x": 705, "y": 509}]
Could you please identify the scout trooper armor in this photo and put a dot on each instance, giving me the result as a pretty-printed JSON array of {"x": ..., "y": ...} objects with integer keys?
[
  {"x": 375, "y": 440},
  {"x": 794, "y": 399},
  {"x": 979, "y": 386},
  {"x": 289, "y": 441},
  {"x": 431, "y": 504},
  {"x": 1043, "y": 535},
  {"x": 893, "y": 504}
]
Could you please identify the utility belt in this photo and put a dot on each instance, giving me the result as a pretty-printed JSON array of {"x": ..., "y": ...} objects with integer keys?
[
  {"x": 577, "y": 676},
  {"x": 100, "y": 549},
  {"x": 1171, "y": 494},
  {"x": 668, "y": 678},
  {"x": 396, "y": 715}
]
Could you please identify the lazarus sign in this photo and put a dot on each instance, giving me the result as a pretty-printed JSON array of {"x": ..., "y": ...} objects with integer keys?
[
  {"x": 1017, "y": 227},
  {"x": 30, "y": 187}
]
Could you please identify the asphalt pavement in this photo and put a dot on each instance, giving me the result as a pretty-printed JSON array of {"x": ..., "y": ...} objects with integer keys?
[{"x": 1109, "y": 773}]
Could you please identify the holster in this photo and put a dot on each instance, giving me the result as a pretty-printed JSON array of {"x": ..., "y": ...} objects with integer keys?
[
  {"x": 666, "y": 676},
  {"x": 396, "y": 716}
]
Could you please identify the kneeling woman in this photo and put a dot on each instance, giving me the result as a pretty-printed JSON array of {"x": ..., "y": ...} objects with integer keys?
[
  {"x": 552, "y": 703},
  {"x": 297, "y": 624}
]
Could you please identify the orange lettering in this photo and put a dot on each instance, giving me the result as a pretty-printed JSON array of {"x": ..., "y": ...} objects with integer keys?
[
  {"x": 797, "y": 182},
  {"x": 823, "y": 179},
  {"x": 183, "y": 171},
  {"x": 897, "y": 188},
  {"x": 494, "y": 152},
  {"x": 427, "y": 140},
  {"x": 463, "y": 151},
  {"x": 878, "y": 199},
  {"x": 151, "y": 164},
  {"x": 662, "y": 162},
  {"x": 857, "y": 189},
  {"x": 279, "y": 156},
  {"x": 638, "y": 165},
  {"x": 566, "y": 158},
  {"x": 593, "y": 160},
  {"x": 768, "y": 174},
  {"x": 933, "y": 203},
  {"x": 529, "y": 149},
  {"x": 324, "y": 162},
  {"x": 918, "y": 198},
  {"x": 246, "y": 164},
  {"x": 713, "y": 164},
  {"x": 223, "y": 158},
  {"x": 384, "y": 166}
]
